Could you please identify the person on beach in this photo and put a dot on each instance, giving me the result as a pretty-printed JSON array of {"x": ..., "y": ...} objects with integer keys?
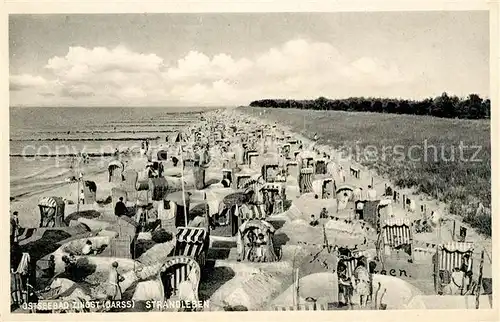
[
  {"x": 88, "y": 248},
  {"x": 251, "y": 246},
  {"x": 345, "y": 286},
  {"x": 371, "y": 193},
  {"x": 323, "y": 213},
  {"x": 14, "y": 228},
  {"x": 356, "y": 193},
  {"x": 114, "y": 291},
  {"x": 120, "y": 208},
  {"x": 259, "y": 248},
  {"x": 314, "y": 222},
  {"x": 342, "y": 174},
  {"x": 361, "y": 282},
  {"x": 464, "y": 267},
  {"x": 342, "y": 202},
  {"x": 82, "y": 197}
]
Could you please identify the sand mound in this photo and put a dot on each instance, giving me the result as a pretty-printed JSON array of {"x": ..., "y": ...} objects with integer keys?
[
  {"x": 399, "y": 293},
  {"x": 94, "y": 224},
  {"x": 321, "y": 286},
  {"x": 324, "y": 288},
  {"x": 252, "y": 291},
  {"x": 293, "y": 212},
  {"x": 75, "y": 246},
  {"x": 439, "y": 302},
  {"x": 157, "y": 254},
  {"x": 148, "y": 290}
]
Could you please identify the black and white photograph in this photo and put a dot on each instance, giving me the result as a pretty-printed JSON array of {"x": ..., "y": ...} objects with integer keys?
[{"x": 265, "y": 161}]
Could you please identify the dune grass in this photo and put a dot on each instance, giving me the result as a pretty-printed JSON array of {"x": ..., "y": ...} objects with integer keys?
[{"x": 414, "y": 151}]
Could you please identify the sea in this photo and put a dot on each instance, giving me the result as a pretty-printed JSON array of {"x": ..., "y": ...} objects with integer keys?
[{"x": 44, "y": 140}]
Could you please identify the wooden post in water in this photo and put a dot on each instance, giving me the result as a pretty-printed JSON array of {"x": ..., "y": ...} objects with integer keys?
[
  {"x": 297, "y": 289},
  {"x": 479, "y": 280}
]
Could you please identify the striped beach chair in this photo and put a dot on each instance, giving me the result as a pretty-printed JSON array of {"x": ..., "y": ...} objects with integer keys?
[
  {"x": 450, "y": 256},
  {"x": 305, "y": 180},
  {"x": 192, "y": 242},
  {"x": 396, "y": 233},
  {"x": 178, "y": 269},
  {"x": 251, "y": 212},
  {"x": 350, "y": 263},
  {"x": 51, "y": 211}
]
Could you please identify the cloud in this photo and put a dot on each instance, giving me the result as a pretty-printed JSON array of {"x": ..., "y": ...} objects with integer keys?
[
  {"x": 26, "y": 81},
  {"x": 296, "y": 69}
]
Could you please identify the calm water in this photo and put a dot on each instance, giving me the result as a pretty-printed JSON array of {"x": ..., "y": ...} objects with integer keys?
[{"x": 71, "y": 130}]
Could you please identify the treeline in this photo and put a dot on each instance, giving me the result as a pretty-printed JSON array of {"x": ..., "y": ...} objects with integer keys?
[{"x": 446, "y": 106}]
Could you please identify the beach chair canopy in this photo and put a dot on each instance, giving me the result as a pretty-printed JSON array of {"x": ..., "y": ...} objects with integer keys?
[
  {"x": 452, "y": 253},
  {"x": 192, "y": 235},
  {"x": 50, "y": 202},
  {"x": 397, "y": 232},
  {"x": 262, "y": 225},
  {"x": 344, "y": 187},
  {"x": 252, "y": 212},
  {"x": 272, "y": 186},
  {"x": 115, "y": 164},
  {"x": 237, "y": 198},
  {"x": 181, "y": 269}
]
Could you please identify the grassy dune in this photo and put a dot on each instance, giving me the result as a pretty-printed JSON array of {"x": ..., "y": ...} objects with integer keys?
[{"x": 414, "y": 151}]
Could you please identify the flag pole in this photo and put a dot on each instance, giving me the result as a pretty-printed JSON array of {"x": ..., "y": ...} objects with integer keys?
[
  {"x": 479, "y": 280},
  {"x": 182, "y": 183},
  {"x": 80, "y": 177}
]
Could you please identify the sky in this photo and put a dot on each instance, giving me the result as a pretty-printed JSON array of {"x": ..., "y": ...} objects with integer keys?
[{"x": 232, "y": 59}]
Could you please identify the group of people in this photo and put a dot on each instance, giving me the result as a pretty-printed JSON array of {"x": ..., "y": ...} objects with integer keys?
[
  {"x": 322, "y": 215},
  {"x": 256, "y": 249},
  {"x": 460, "y": 280},
  {"x": 360, "y": 282}
]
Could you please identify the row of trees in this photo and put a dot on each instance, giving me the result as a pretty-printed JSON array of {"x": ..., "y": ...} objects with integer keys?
[{"x": 446, "y": 106}]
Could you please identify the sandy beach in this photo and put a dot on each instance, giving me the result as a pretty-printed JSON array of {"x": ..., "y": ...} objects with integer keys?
[{"x": 260, "y": 286}]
